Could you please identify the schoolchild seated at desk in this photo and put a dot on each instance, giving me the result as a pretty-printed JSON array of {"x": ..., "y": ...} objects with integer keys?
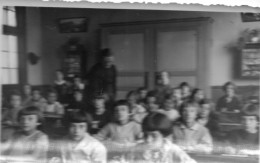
[
  {"x": 100, "y": 116},
  {"x": 77, "y": 103},
  {"x": 229, "y": 102},
  {"x": 156, "y": 146},
  {"x": 27, "y": 144},
  {"x": 53, "y": 107},
  {"x": 37, "y": 100},
  {"x": 78, "y": 146},
  {"x": 122, "y": 130},
  {"x": 151, "y": 103},
  {"x": 189, "y": 134},
  {"x": 246, "y": 138},
  {"x": 9, "y": 115},
  {"x": 177, "y": 97}
]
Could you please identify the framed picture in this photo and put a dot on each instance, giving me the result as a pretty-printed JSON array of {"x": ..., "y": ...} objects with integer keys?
[
  {"x": 250, "y": 61},
  {"x": 72, "y": 25},
  {"x": 250, "y": 17}
]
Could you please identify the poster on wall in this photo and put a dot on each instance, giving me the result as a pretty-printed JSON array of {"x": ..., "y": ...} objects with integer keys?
[{"x": 250, "y": 63}]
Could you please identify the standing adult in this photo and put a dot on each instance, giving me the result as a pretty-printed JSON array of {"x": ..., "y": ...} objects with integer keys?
[{"x": 102, "y": 76}]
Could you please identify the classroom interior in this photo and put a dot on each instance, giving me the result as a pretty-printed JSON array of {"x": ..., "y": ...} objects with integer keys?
[{"x": 204, "y": 49}]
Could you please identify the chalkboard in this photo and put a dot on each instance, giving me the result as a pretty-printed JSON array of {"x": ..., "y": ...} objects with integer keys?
[{"x": 250, "y": 61}]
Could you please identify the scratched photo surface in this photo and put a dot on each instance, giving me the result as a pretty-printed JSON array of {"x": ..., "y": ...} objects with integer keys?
[{"x": 82, "y": 85}]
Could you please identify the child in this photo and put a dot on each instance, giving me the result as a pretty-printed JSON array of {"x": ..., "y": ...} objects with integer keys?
[
  {"x": 248, "y": 136},
  {"x": 151, "y": 103},
  {"x": 157, "y": 148},
  {"x": 78, "y": 84},
  {"x": 79, "y": 146},
  {"x": 185, "y": 90},
  {"x": 169, "y": 110},
  {"x": 229, "y": 102},
  {"x": 122, "y": 130},
  {"x": 138, "y": 111},
  {"x": 37, "y": 100},
  {"x": 207, "y": 118},
  {"x": 163, "y": 87},
  {"x": 9, "y": 116},
  {"x": 28, "y": 143},
  {"x": 53, "y": 106},
  {"x": 177, "y": 97},
  {"x": 100, "y": 116},
  {"x": 189, "y": 133},
  {"x": 60, "y": 86},
  {"x": 27, "y": 94},
  {"x": 197, "y": 95},
  {"x": 77, "y": 102},
  {"x": 142, "y": 92}
]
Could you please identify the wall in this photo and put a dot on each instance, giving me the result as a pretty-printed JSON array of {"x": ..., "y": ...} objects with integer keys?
[
  {"x": 34, "y": 44},
  {"x": 225, "y": 32}
]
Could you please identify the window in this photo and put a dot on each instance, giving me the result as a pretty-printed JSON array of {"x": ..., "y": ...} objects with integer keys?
[{"x": 9, "y": 51}]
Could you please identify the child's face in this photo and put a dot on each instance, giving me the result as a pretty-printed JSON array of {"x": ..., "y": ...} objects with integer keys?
[
  {"x": 151, "y": 100},
  {"x": 36, "y": 95},
  {"x": 189, "y": 114},
  {"x": 15, "y": 101},
  {"x": 205, "y": 110},
  {"x": 230, "y": 90},
  {"x": 122, "y": 112},
  {"x": 99, "y": 104},
  {"x": 78, "y": 96},
  {"x": 27, "y": 89},
  {"x": 154, "y": 138},
  {"x": 185, "y": 91},
  {"x": 177, "y": 93},
  {"x": 199, "y": 95},
  {"x": 164, "y": 78},
  {"x": 249, "y": 122},
  {"x": 143, "y": 94},
  {"x": 131, "y": 100},
  {"x": 52, "y": 97},
  {"x": 168, "y": 104},
  {"x": 28, "y": 122},
  {"x": 77, "y": 130},
  {"x": 77, "y": 80}
]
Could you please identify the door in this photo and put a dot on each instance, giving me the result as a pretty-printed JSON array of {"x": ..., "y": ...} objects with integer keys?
[{"x": 142, "y": 49}]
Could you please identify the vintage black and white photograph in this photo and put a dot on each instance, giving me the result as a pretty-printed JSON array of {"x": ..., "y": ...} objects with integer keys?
[{"x": 128, "y": 86}]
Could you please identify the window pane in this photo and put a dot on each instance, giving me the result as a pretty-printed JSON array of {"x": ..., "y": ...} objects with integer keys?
[
  {"x": 5, "y": 17},
  {"x": 13, "y": 61},
  {"x": 11, "y": 20},
  {"x": 5, "y": 42},
  {"x": 5, "y": 76},
  {"x": 5, "y": 59},
  {"x": 13, "y": 76},
  {"x": 12, "y": 43}
]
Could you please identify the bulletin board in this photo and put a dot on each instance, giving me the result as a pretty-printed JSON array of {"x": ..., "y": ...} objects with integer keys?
[{"x": 250, "y": 61}]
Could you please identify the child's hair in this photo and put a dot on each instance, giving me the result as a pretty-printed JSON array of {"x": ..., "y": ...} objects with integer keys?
[
  {"x": 52, "y": 91},
  {"x": 59, "y": 70},
  {"x": 14, "y": 93},
  {"x": 224, "y": 87},
  {"x": 194, "y": 91},
  {"x": 31, "y": 110},
  {"x": 187, "y": 104},
  {"x": 132, "y": 93},
  {"x": 121, "y": 102},
  {"x": 184, "y": 84},
  {"x": 78, "y": 91},
  {"x": 251, "y": 110},
  {"x": 157, "y": 122},
  {"x": 151, "y": 94},
  {"x": 141, "y": 89},
  {"x": 78, "y": 117},
  {"x": 105, "y": 53}
]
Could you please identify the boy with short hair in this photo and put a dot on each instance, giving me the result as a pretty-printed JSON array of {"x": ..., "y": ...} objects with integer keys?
[
  {"x": 189, "y": 134},
  {"x": 185, "y": 90},
  {"x": 157, "y": 148},
  {"x": 79, "y": 146},
  {"x": 28, "y": 143},
  {"x": 122, "y": 130},
  {"x": 77, "y": 102},
  {"x": 151, "y": 103},
  {"x": 37, "y": 100},
  {"x": 177, "y": 97}
]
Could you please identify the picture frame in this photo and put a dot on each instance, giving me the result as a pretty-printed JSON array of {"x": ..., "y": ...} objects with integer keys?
[
  {"x": 73, "y": 25},
  {"x": 250, "y": 17},
  {"x": 249, "y": 62}
]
